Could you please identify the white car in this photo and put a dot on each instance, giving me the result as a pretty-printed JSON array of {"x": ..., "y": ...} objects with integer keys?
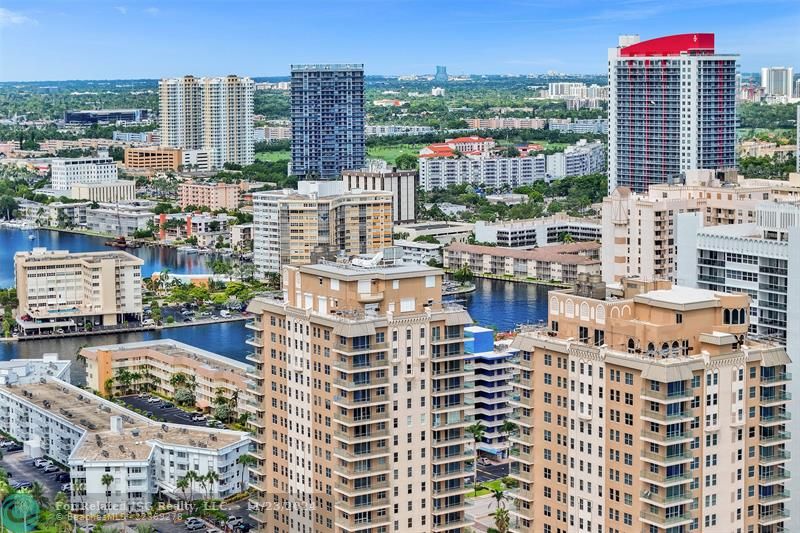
[
  {"x": 198, "y": 418},
  {"x": 153, "y": 399},
  {"x": 232, "y": 521}
]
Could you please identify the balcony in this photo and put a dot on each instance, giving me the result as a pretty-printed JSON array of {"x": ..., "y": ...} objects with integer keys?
[
  {"x": 776, "y": 438},
  {"x": 682, "y": 436},
  {"x": 778, "y": 476},
  {"x": 353, "y": 366},
  {"x": 776, "y": 497},
  {"x": 255, "y": 340},
  {"x": 779, "y": 377},
  {"x": 360, "y": 349},
  {"x": 371, "y": 505},
  {"x": 352, "y": 403},
  {"x": 778, "y": 456},
  {"x": 351, "y": 490},
  {"x": 351, "y": 419},
  {"x": 450, "y": 423},
  {"x": 370, "y": 298},
  {"x": 444, "y": 474},
  {"x": 660, "y": 458},
  {"x": 463, "y": 455},
  {"x": 663, "y": 500},
  {"x": 352, "y": 455},
  {"x": 777, "y": 398},
  {"x": 452, "y": 524},
  {"x": 452, "y": 491},
  {"x": 362, "y": 524},
  {"x": 451, "y": 507},
  {"x": 363, "y": 384},
  {"x": 667, "y": 418},
  {"x": 767, "y": 518},
  {"x": 353, "y": 438},
  {"x": 255, "y": 357},
  {"x": 668, "y": 521},
  {"x": 358, "y": 470},
  {"x": 666, "y": 396},
  {"x": 777, "y": 418},
  {"x": 662, "y": 479}
]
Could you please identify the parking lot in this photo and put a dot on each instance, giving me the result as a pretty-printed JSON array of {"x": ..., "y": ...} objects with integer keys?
[
  {"x": 20, "y": 468},
  {"x": 172, "y": 415},
  {"x": 492, "y": 471}
]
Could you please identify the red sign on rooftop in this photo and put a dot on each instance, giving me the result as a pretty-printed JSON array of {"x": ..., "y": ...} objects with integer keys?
[{"x": 672, "y": 45}]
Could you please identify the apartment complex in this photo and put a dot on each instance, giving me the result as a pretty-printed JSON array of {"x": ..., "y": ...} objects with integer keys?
[
  {"x": 440, "y": 172},
  {"x": 211, "y": 195},
  {"x": 559, "y": 263},
  {"x": 95, "y": 437},
  {"x": 777, "y": 81},
  {"x": 204, "y": 227},
  {"x": 534, "y": 232},
  {"x": 444, "y": 232},
  {"x": 639, "y": 230},
  {"x": 760, "y": 259},
  {"x": 319, "y": 219},
  {"x": 327, "y": 108},
  {"x": 579, "y": 125},
  {"x": 401, "y": 183},
  {"x": 123, "y": 217},
  {"x": 111, "y": 191},
  {"x": 672, "y": 108},
  {"x": 210, "y": 115},
  {"x": 649, "y": 410},
  {"x": 56, "y": 288},
  {"x": 493, "y": 365},
  {"x": 501, "y": 123},
  {"x": 365, "y": 401},
  {"x": 153, "y": 158},
  {"x": 156, "y": 362},
  {"x": 577, "y": 160},
  {"x": 67, "y": 172}
]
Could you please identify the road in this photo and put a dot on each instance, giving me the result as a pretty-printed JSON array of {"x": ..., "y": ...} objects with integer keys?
[{"x": 493, "y": 471}]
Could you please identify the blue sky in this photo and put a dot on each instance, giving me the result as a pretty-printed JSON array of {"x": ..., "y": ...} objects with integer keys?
[{"x": 101, "y": 39}]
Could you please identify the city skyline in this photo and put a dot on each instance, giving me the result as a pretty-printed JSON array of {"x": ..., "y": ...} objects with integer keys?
[{"x": 134, "y": 40}]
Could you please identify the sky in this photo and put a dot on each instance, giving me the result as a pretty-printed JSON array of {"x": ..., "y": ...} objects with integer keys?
[{"x": 125, "y": 39}]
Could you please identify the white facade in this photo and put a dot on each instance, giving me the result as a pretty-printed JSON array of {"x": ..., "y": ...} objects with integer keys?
[
  {"x": 577, "y": 160},
  {"x": 88, "y": 170},
  {"x": 210, "y": 115},
  {"x": 120, "y": 218},
  {"x": 537, "y": 231},
  {"x": 420, "y": 253},
  {"x": 390, "y": 129},
  {"x": 580, "y": 126},
  {"x": 401, "y": 183},
  {"x": 777, "y": 81},
  {"x": 441, "y": 172}
]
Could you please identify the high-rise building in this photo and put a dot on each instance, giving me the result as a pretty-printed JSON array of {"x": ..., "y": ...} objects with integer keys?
[
  {"x": 648, "y": 408},
  {"x": 401, "y": 183},
  {"x": 319, "y": 219},
  {"x": 441, "y": 74},
  {"x": 672, "y": 108},
  {"x": 211, "y": 115},
  {"x": 327, "y": 106},
  {"x": 365, "y": 401},
  {"x": 777, "y": 81}
]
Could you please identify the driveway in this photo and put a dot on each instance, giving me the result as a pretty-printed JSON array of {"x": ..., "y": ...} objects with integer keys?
[
  {"x": 21, "y": 468},
  {"x": 491, "y": 472},
  {"x": 172, "y": 415}
]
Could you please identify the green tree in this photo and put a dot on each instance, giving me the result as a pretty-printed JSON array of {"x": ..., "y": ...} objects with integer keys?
[
  {"x": 107, "y": 480},
  {"x": 477, "y": 430},
  {"x": 246, "y": 461},
  {"x": 406, "y": 162},
  {"x": 182, "y": 484},
  {"x": 502, "y": 519},
  {"x": 211, "y": 478}
]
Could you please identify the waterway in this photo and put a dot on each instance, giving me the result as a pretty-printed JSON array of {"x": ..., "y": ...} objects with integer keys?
[
  {"x": 499, "y": 304},
  {"x": 156, "y": 258}
]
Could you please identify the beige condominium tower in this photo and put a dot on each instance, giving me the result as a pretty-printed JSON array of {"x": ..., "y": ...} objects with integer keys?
[
  {"x": 365, "y": 402},
  {"x": 648, "y": 409}
]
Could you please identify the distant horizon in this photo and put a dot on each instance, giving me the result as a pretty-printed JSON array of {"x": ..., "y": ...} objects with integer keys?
[{"x": 85, "y": 40}]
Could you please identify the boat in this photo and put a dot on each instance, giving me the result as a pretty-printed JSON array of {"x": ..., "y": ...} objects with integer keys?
[
  {"x": 31, "y": 237},
  {"x": 121, "y": 242}
]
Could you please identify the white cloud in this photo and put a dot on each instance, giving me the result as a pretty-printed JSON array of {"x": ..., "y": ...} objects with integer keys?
[
  {"x": 123, "y": 10},
  {"x": 152, "y": 11},
  {"x": 13, "y": 18}
]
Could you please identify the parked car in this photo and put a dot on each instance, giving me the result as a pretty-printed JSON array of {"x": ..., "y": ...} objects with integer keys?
[
  {"x": 233, "y": 521},
  {"x": 153, "y": 399},
  {"x": 22, "y": 484},
  {"x": 50, "y": 469},
  {"x": 193, "y": 526},
  {"x": 167, "y": 405},
  {"x": 62, "y": 477},
  {"x": 66, "y": 487},
  {"x": 224, "y": 313},
  {"x": 243, "y": 527},
  {"x": 41, "y": 463},
  {"x": 198, "y": 418},
  {"x": 7, "y": 443},
  {"x": 215, "y": 424},
  {"x": 484, "y": 461},
  {"x": 14, "y": 448}
]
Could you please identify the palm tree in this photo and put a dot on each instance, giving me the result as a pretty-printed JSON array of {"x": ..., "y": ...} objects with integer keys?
[
  {"x": 202, "y": 480},
  {"x": 499, "y": 496},
  {"x": 211, "y": 477},
  {"x": 178, "y": 379},
  {"x": 79, "y": 490},
  {"x": 37, "y": 493},
  {"x": 108, "y": 385},
  {"x": 192, "y": 476},
  {"x": 24, "y": 506},
  {"x": 246, "y": 461},
  {"x": 182, "y": 484},
  {"x": 502, "y": 520},
  {"x": 124, "y": 378},
  {"x": 107, "y": 480},
  {"x": 477, "y": 431},
  {"x": 508, "y": 428}
]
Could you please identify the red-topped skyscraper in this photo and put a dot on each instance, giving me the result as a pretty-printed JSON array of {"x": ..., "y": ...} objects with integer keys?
[{"x": 672, "y": 108}]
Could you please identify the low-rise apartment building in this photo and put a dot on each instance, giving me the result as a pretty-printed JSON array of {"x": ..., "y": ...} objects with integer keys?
[
  {"x": 444, "y": 232},
  {"x": 577, "y": 160},
  {"x": 95, "y": 437},
  {"x": 370, "y": 368},
  {"x": 242, "y": 237},
  {"x": 54, "y": 214},
  {"x": 154, "y": 363},
  {"x": 557, "y": 263},
  {"x": 441, "y": 170},
  {"x": 59, "y": 289},
  {"x": 210, "y": 195},
  {"x": 639, "y": 229},
  {"x": 500, "y": 123},
  {"x": 420, "y": 253},
  {"x": 153, "y": 158},
  {"x": 649, "y": 408},
  {"x": 112, "y": 191},
  {"x": 206, "y": 228},
  {"x": 538, "y": 231},
  {"x": 319, "y": 219},
  {"x": 67, "y": 172},
  {"x": 122, "y": 218}
]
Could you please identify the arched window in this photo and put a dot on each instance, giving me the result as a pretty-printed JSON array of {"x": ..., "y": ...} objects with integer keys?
[
  {"x": 726, "y": 316},
  {"x": 742, "y": 316},
  {"x": 631, "y": 346},
  {"x": 734, "y": 316},
  {"x": 570, "y": 310},
  {"x": 676, "y": 348},
  {"x": 584, "y": 311},
  {"x": 554, "y": 305},
  {"x": 665, "y": 349},
  {"x": 651, "y": 349},
  {"x": 600, "y": 314}
]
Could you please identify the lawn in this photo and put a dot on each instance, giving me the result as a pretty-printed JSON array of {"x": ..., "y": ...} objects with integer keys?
[
  {"x": 487, "y": 488},
  {"x": 273, "y": 156},
  {"x": 390, "y": 153}
]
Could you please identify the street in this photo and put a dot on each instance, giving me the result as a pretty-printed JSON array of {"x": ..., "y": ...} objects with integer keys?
[{"x": 490, "y": 472}]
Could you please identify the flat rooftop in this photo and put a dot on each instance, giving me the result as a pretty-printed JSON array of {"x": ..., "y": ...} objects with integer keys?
[
  {"x": 423, "y": 226},
  {"x": 43, "y": 254},
  {"x": 93, "y": 414},
  {"x": 679, "y": 295},
  {"x": 173, "y": 348},
  {"x": 347, "y": 270}
]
